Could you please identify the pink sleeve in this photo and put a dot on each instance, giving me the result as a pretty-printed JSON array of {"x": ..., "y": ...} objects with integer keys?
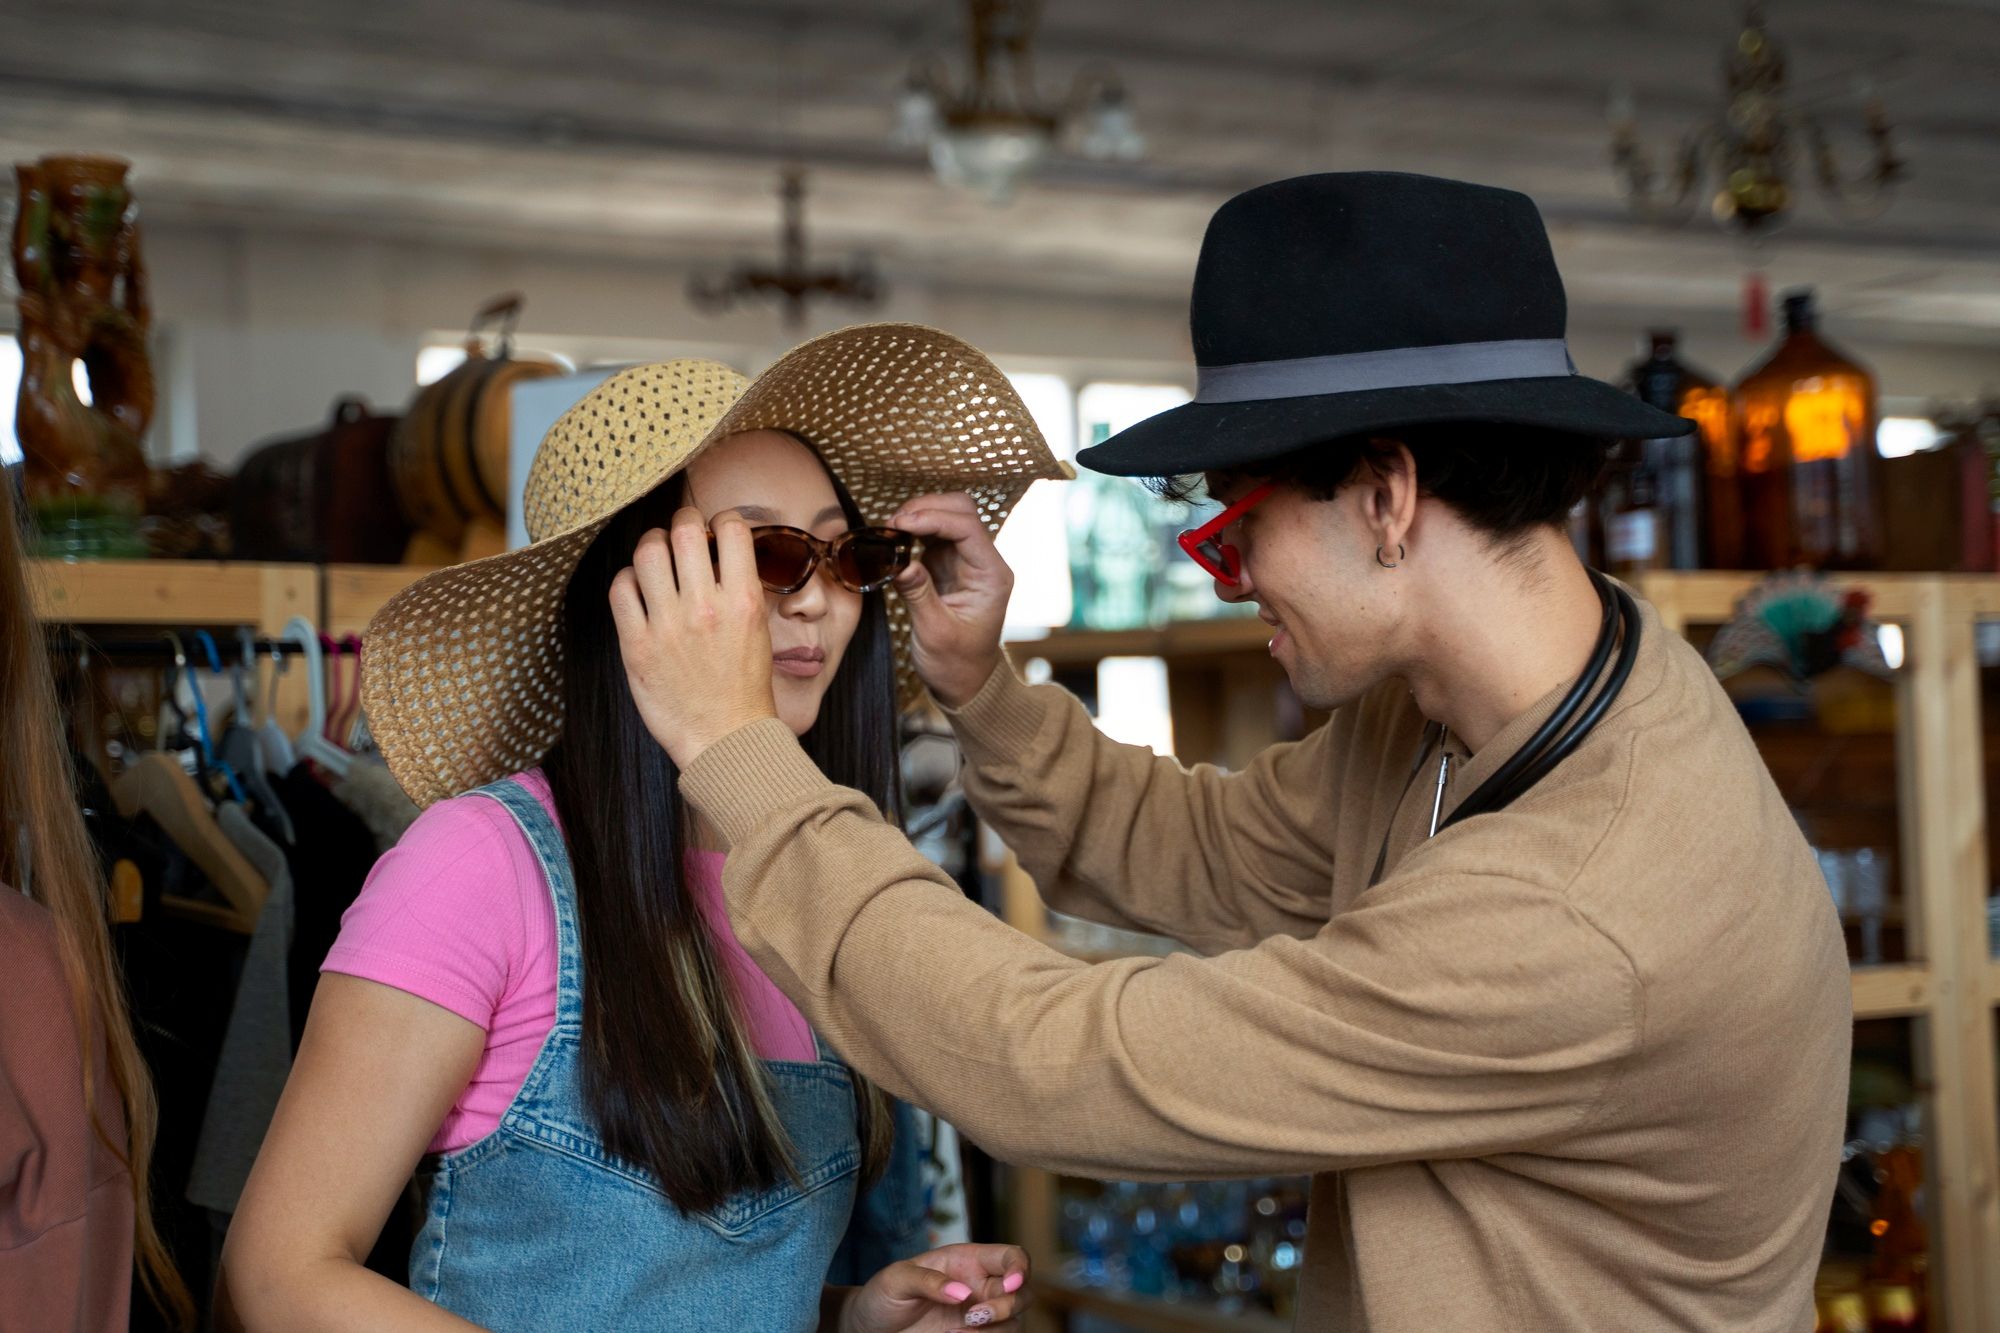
[{"x": 440, "y": 915}]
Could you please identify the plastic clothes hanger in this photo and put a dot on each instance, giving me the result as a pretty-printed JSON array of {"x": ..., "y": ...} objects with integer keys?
[
  {"x": 239, "y": 743},
  {"x": 157, "y": 785},
  {"x": 349, "y": 725},
  {"x": 274, "y": 743},
  {"x": 312, "y": 742},
  {"x": 187, "y": 735},
  {"x": 337, "y": 696},
  {"x": 208, "y": 746}
]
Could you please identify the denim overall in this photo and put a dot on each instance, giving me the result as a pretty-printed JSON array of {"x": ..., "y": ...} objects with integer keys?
[{"x": 536, "y": 1226}]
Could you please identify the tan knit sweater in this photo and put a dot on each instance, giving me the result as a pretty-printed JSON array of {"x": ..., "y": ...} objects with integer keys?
[{"x": 1580, "y": 1064}]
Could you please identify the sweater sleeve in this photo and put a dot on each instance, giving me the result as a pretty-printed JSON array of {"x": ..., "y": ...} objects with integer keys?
[
  {"x": 1441, "y": 1016},
  {"x": 1118, "y": 835}
]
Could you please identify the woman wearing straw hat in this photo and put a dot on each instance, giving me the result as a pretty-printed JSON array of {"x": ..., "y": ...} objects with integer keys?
[{"x": 621, "y": 1122}]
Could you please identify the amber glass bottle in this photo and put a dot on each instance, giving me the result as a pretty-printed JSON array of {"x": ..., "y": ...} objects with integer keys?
[
  {"x": 1679, "y": 497},
  {"x": 1805, "y": 422},
  {"x": 1706, "y": 403}
]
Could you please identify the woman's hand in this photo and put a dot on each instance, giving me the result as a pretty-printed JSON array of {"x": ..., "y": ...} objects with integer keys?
[
  {"x": 695, "y": 634},
  {"x": 949, "y": 1289}
]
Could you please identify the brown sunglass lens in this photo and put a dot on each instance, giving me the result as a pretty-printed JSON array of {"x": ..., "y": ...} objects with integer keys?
[
  {"x": 870, "y": 559},
  {"x": 783, "y": 559}
]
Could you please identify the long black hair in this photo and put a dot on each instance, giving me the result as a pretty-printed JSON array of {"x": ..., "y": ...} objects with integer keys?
[{"x": 668, "y": 1073}]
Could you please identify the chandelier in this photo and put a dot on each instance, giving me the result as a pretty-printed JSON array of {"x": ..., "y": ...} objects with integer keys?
[
  {"x": 791, "y": 283},
  {"x": 996, "y": 130},
  {"x": 1749, "y": 151}
]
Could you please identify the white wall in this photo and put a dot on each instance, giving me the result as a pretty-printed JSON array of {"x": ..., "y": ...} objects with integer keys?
[{"x": 261, "y": 330}]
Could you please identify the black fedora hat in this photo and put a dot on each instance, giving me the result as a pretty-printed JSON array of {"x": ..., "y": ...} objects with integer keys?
[{"x": 1366, "y": 301}]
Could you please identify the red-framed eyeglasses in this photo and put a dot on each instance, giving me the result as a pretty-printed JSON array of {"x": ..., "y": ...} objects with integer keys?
[{"x": 1206, "y": 548}]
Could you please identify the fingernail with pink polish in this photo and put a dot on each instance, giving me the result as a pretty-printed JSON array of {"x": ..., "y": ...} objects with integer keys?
[
  {"x": 1013, "y": 1282},
  {"x": 957, "y": 1291},
  {"x": 979, "y": 1318}
]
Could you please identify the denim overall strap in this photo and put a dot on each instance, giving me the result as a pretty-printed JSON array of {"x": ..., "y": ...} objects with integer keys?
[
  {"x": 553, "y": 855},
  {"x": 540, "y": 1226}
]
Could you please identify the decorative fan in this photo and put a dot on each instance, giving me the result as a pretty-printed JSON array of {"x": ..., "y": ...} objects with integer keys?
[
  {"x": 1800, "y": 650},
  {"x": 1801, "y": 626}
]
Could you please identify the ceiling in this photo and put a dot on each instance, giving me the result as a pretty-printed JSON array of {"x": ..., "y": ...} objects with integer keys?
[{"x": 636, "y": 126}]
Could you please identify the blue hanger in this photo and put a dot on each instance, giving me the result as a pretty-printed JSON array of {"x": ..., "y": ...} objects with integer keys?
[{"x": 207, "y": 642}]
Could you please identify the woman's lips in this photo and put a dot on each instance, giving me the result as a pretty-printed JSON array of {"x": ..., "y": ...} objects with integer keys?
[{"x": 802, "y": 663}]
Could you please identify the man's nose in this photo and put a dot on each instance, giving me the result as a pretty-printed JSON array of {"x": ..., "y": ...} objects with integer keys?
[{"x": 1240, "y": 591}]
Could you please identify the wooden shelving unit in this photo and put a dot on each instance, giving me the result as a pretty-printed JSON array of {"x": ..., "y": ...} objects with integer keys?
[
  {"x": 1940, "y": 768},
  {"x": 1183, "y": 642},
  {"x": 1950, "y": 985},
  {"x": 338, "y": 599},
  {"x": 173, "y": 592},
  {"x": 354, "y": 593},
  {"x": 178, "y": 594},
  {"x": 1142, "y": 1312}
]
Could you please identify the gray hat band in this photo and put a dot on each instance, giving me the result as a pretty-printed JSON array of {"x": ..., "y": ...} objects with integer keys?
[{"x": 1393, "y": 368}]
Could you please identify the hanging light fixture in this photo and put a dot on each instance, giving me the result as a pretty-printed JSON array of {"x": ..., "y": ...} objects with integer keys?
[
  {"x": 1749, "y": 149},
  {"x": 792, "y": 283},
  {"x": 995, "y": 131}
]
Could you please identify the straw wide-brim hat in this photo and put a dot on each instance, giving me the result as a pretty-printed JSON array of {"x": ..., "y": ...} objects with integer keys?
[{"x": 462, "y": 680}]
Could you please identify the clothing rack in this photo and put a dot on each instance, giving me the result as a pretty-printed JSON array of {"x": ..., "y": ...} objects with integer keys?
[{"x": 68, "y": 639}]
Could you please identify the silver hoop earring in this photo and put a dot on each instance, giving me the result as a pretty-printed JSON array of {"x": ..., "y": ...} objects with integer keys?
[{"x": 1401, "y": 555}]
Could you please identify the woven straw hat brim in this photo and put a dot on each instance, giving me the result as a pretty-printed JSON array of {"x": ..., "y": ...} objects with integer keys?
[{"x": 462, "y": 680}]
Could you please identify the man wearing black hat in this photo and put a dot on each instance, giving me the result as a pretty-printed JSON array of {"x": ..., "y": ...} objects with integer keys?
[{"x": 1521, "y": 955}]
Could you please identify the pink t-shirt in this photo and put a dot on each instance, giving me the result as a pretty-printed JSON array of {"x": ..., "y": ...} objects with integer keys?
[{"x": 458, "y": 913}]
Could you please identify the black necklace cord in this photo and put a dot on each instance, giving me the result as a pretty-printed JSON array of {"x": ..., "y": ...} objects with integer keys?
[
  {"x": 1628, "y": 655},
  {"x": 1488, "y": 795}
]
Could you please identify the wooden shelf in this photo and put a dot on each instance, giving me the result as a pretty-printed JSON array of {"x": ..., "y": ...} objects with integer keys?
[
  {"x": 1187, "y": 640},
  {"x": 354, "y": 593},
  {"x": 186, "y": 594},
  {"x": 1900, "y": 991},
  {"x": 172, "y": 592},
  {"x": 1708, "y": 597},
  {"x": 1150, "y": 1314}
]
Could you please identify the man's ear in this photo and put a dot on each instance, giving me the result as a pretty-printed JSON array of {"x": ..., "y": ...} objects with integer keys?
[{"x": 1387, "y": 483}]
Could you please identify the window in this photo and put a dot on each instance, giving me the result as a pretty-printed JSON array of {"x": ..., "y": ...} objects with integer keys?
[
  {"x": 1105, "y": 409},
  {"x": 1898, "y": 437},
  {"x": 1040, "y": 540},
  {"x": 10, "y": 390},
  {"x": 437, "y": 361},
  {"x": 1132, "y": 703},
  {"x": 1035, "y": 542}
]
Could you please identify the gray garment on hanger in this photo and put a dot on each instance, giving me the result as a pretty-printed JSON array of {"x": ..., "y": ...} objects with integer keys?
[
  {"x": 241, "y": 752},
  {"x": 369, "y": 790},
  {"x": 257, "y": 1045},
  {"x": 274, "y": 748}
]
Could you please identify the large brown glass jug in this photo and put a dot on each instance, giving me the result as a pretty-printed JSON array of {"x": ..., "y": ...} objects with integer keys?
[{"x": 1805, "y": 423}]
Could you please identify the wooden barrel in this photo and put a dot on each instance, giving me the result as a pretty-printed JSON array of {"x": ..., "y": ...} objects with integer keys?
[{"x": 450, "y": 455}]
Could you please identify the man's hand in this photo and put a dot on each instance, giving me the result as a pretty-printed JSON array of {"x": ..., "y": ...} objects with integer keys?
[
  {"x": 957, "y": 595},
  {"x": 695, "y": 634}
]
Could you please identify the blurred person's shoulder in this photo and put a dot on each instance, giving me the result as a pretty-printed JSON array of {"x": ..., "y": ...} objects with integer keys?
[{"x": 31, "y": 972}]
